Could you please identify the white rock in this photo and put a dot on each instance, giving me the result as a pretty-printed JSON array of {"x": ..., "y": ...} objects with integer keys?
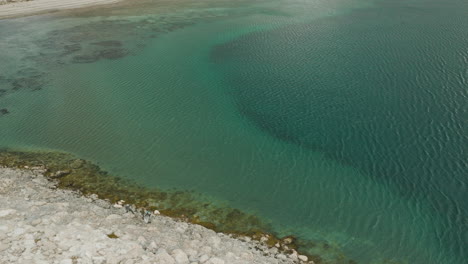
[
  {"x": 281, "y": 256},
  {"x": 3, "y": 246},
  {"x": 98, "y": 260},
  {"x": 215, "y": 260},
  {"x": 190, "y": 252},
  {"x": 303, "y": 258},
  {"x": 214, "y": 241},
  {"x": 180, "y": 256},
  {"x": 66, "y": 261},
  {"x": 204, "y": 258},
  {"x": 231, "y": 256},
  {"x": 206, "y": 249},
  {"x": 152, "y": 246},
  {"x": 18, "y": 232},
  {"x": 7, "y": 212},
  {"x": 163, "y": 257}
]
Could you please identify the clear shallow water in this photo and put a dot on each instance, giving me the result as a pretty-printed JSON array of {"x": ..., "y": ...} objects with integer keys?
[{"x": 341, "y": 121}]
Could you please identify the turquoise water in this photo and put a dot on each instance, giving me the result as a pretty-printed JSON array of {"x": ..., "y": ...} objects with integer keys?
[{"x": 339, "y": 121}]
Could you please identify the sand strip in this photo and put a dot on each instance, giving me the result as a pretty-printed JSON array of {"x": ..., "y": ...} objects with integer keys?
[{"x": 33, "y": 7}]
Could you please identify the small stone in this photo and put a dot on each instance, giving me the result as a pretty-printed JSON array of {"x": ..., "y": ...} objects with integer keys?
[
  {"x": 4, "y": 213},
  {"x": 303, "y": 258},
  {"x": 206, "y": 249},
  {"x": 215, "y": 260},
  {"x": 99, "y": 260},
  {"x": 214, "y": 241},
  {"x": 180, "y": 256},
  {"x": 281, "y": 256},
  {"x": 152, "y": 246},
  {"x": 3, "y": 246},
  {"x": 230, "y": 255},
  {"x": 203, "y": 258},
  {"x": 162, "y": 257},
  {"x": 18, "y": 232},
  {"x": 66, "y": 261},
  {"x": 288, "y": 240}
]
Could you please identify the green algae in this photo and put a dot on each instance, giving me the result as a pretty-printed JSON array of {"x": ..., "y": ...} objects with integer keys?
[{"x": 112, "y": 235}]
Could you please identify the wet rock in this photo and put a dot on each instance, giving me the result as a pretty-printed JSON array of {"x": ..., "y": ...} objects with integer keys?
[{"x": 287, "y": 240}]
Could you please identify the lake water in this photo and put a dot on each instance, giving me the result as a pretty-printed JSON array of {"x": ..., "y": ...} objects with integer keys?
[{"x": 340, "y": 121}]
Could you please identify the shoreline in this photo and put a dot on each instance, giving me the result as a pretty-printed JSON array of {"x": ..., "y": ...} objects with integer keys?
[
  {"x": 37, "y": 7},
  {"x": 65, "y": 173},
  {"x": 44, "y": 223}
]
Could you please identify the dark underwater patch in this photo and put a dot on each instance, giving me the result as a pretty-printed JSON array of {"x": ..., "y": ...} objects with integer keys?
[
  {"x": 108, "y": 43},
  {"x": 109, "y": 54},
  {"x": 4, "y": 111},
  {"x": 71, "y": 48}
]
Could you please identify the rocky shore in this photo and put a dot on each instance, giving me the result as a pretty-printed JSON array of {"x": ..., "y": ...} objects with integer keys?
[{"x": 40, "y": 223}]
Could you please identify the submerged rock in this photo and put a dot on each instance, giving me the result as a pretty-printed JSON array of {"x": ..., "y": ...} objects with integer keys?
[
  {"x": 4, "y": 111},
  {"x": 60, "y": 174}
]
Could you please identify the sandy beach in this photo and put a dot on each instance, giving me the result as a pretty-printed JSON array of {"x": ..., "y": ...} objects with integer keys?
[{"x": 33, "y": 7}]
